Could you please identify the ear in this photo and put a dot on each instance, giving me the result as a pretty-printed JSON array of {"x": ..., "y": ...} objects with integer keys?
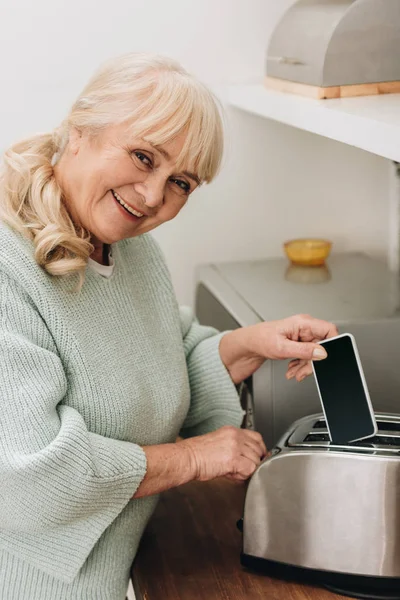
[{"x": 75, "y": 140}]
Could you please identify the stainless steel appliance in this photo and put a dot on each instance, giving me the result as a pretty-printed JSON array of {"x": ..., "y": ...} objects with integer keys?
[
  {"x": 328, "y": 514},
  {"x": 337, "y": 42},
  {"x": 356, "y": 292}
]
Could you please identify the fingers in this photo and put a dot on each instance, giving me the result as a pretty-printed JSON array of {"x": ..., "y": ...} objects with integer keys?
[
  {"x": 300, "y": 370},
  {"x": 332, "y": 331},
  {"x": 294, "y": 363},
  {"x": 252, "y": 452},
  {"x": 292, "y": 371},
  {"x": 251, "y": 448},
  {"x": 227, "y": 450},
  {"x": 255, "y": 440},
  {"x": 303, "y": 350},
  {"x": 245, "y": 468},
  {"x": 319, "y": 329},
  {"x": 304, "y": 372}
]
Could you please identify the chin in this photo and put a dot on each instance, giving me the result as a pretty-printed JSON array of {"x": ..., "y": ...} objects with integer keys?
[
  {"x": 113, "y": 238},
  {"x": 106, "y": 237}
]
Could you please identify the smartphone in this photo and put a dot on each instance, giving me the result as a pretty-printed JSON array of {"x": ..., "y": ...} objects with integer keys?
[{"x": 343, "y": 391}]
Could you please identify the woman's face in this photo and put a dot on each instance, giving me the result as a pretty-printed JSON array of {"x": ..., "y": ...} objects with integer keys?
[{"x": 117, "y": 188}]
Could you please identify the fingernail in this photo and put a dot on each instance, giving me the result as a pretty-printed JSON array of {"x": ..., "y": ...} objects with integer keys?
[{"x": 319, "y": 353}]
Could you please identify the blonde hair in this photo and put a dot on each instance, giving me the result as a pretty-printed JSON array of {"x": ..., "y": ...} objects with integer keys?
[{"x": 156, "y": 98}]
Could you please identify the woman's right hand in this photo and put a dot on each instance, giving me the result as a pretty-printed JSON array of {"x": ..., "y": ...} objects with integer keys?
[{"x": 226, "y": 452}]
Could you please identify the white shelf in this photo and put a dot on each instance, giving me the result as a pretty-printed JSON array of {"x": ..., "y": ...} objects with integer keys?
[{"x": 371, "y": 123}]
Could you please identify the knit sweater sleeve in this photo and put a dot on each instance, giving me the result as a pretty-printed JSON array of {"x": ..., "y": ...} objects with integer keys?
[
  {"x": 214, "y": 401},
  {"x": 61, "y": 486}
]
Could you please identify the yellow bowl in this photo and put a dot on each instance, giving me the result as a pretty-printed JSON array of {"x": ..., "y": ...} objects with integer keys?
[{"x": 308, "y": 252}]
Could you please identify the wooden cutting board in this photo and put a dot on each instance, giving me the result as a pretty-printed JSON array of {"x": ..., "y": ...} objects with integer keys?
[{"x": 327, "y": 93}]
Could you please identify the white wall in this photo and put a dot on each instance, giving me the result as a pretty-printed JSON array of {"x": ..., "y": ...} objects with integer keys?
[{"x": 277, "y": 182}]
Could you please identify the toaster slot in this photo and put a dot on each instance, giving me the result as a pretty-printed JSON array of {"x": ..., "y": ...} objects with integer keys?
[
  {"x": 388, "y": 426},
  {"x": 385, "y": 440},
  {"x": 377, "y": 440},
  {"x": 321, "y": 424},
  {"x": 382, "y": 425},
  {"x": 317, "y": 437},
  {"x": 313, "y": 434}
]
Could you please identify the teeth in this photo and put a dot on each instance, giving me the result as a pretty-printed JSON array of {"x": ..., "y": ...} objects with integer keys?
[{"x": 125, "y": 205}]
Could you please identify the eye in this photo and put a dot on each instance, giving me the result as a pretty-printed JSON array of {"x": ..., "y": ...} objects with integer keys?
[
  {"x": 143, "y": 158},
  {"x": 183, "y": 185}
]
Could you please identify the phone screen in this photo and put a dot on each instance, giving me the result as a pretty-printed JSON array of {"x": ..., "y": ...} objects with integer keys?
[{"x": 343, "y": 392}]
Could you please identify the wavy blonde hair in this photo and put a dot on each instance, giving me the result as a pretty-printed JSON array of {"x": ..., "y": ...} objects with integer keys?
[{"x": 156, "y": 98}]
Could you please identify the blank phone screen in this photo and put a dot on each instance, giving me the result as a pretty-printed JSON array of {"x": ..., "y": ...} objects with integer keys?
[{"x": 343, "y": 396}]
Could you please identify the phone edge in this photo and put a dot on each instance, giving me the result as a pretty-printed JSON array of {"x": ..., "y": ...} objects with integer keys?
[{"x": 364, "y": 383}]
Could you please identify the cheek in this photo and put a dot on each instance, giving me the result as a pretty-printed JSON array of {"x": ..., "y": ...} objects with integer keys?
[
  {"x": 114, "y": 178},
  {"x": 173, "y": 207},
  {"x": 94, "y": 181},
  {"x": 117, "y": 172}
]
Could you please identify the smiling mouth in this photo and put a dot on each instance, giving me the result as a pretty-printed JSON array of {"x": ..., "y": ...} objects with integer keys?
[{"x": 126, "y": 206}]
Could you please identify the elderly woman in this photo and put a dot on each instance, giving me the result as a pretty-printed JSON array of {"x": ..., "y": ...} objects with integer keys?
[{"x": 99, "y": 369}]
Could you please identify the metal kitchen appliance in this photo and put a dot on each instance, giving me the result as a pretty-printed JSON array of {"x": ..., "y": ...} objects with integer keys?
[
  {"x": 328, "y": 514},
  {"x": 359, "y": 294},
  {"x": 340, "y": 47}
]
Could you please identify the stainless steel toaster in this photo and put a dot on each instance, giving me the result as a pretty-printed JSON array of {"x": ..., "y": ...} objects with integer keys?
[{"x": 328, "y": 514}]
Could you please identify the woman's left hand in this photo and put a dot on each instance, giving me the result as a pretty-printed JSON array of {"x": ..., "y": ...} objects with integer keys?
[{"x": 244, "y": 350}]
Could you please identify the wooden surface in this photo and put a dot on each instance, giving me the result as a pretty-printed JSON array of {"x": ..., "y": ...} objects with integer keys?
[
  {"x": 338, "y": 91},
  {"x": 191, "y": 551}
]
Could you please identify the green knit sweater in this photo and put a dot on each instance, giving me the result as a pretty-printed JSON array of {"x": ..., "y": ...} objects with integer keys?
[{"x": 86, "y": 379}]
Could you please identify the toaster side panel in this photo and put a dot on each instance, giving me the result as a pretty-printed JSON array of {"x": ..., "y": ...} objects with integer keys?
[{"x": 326, "y": 510}]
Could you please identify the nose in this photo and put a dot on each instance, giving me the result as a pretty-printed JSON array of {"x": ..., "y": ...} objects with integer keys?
[{"x": 152, "y": 190}]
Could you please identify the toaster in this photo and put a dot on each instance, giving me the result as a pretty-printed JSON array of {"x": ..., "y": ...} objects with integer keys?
[{"x": 328, "y": 514}]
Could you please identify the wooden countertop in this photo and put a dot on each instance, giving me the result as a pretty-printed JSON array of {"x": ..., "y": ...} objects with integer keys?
[{"x": 191, "y": 551}]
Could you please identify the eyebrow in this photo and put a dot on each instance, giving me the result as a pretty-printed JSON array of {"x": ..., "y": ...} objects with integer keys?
[
  {"x": 161, "y": 151},
  {"x": 168, "y": 157},
  {"x": 192, "y": 176}
]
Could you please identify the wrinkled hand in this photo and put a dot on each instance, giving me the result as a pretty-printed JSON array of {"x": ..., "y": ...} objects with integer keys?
[
  {"x": 227, "y": 452},
  {"x": 244, "y": 350},
  {"x": 297, "y": 337}
]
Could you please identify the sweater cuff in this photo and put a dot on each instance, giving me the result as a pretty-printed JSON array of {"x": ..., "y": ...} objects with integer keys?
[{"x": 62, "y": 551}]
